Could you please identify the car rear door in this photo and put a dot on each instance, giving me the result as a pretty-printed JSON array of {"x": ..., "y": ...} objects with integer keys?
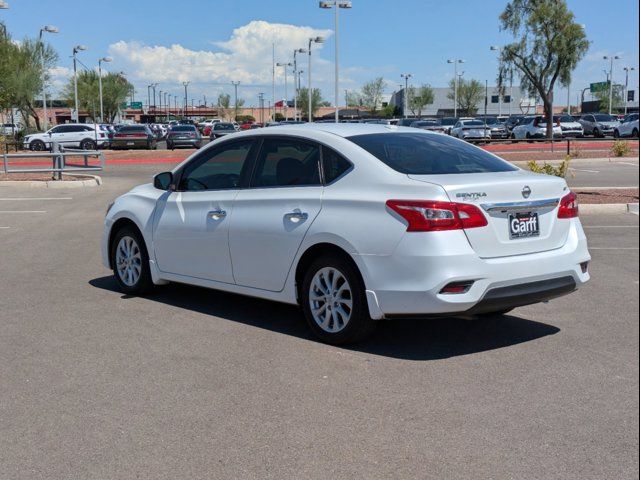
[
  {"x": 191, "y": 225},
  {"x": 271, "y": 218}
]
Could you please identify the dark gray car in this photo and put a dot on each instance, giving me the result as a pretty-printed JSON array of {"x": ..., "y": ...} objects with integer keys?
[
  {"x": 184, "y": 136},
  {"x": 221, "y": 129},
  {"x": 598, "y": 124}
]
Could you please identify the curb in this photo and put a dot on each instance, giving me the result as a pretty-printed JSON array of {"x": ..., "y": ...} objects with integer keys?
[
  {"x": 594, "y": 208},
  {"x": 94, "y": 181}
]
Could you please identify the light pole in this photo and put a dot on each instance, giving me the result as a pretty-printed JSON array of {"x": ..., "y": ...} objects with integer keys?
[
  {"x": 107, "y": 60},
  {"x": 235, "y": 101},
  {"x": 261, "y": 103},
  {"x": 405, "y": 97},
  {"x": 455, "y": 84},
  {"x": 626, "y": 86},
  {"x": 166, "y": 105},
  {"x": 286, "y": 93},
  {"x": 76, "y": 49},
  {"x": 4, "y": 6},
  {"x": 612, "y": 58},
  {"x": 311, "y": 42},
  {"x": 496, "y": 48},
  {"x": 48, "y": 29},
  {"x": 336, "y": 5},
  {"x": 185, "y": 85},
  {"x": 296, "y": 77}
]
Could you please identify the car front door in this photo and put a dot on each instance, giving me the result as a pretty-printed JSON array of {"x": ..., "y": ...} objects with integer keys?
[
  {"x": 271, "y": 218},
  {"x": 191, "y": 224}
]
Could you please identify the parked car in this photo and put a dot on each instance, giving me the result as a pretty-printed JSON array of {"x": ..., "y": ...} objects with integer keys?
[
  {"x": 454, "y": 231},
  {"x": 534, "y": 127},
  {"x": 68, "y": 135},
  {"x": 569, "y": 126},
  {"x": 184, "y": 136},
  {"x": 134, "y": 136},
  {"x": 448, "y": 123},
  {"x": 221, "y": 129},
  {"x": 471, "y": 130},
  {"x": 598, "y": 124},
  {"x": 512, "y": 121},
  {"x": 628, "y": 128},
  {"x": 496, "y": 128},
  {"x": 10, "y": 129},
  {"x": 430, "y": 125}
]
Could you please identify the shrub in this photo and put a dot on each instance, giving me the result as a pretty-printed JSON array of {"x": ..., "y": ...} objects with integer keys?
[
  {"x": 548, "y": 169},
  {"x": 620, "y": 148}
]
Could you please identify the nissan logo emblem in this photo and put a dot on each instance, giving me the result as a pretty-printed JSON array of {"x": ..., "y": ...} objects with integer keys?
[{"x": 526, "y": 191}]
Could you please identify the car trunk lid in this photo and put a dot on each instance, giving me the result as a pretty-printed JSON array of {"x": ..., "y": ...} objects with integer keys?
[{"x": 504, "y": 197}]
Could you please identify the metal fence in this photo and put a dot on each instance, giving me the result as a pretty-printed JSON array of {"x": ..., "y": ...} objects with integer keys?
[{"x": 59, "y": 161}]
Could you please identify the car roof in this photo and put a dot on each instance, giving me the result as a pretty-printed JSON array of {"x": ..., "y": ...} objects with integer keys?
[{"x": 339, "y": 129}]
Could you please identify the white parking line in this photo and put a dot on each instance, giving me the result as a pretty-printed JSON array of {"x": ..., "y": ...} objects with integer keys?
[
  {"x": 627, "y": 163},
  {"x": 23, "y": 211},
  {"x": 584, "y": 170},
  {"x": 14, "y": 199},
  {"x": 4, "y": 227}
]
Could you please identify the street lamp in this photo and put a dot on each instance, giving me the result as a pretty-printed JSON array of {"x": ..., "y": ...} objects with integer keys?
[
  {"x": 286, "y": 95},
  {"x": 337, "y": 5},
  {"x": 405, "y": 97},
  {"x": 311, "y": 42},
  {"x": 496, "y": 48},
  {"x": 455, "y": 84},
  {"x": 626, "y": 86},
  {"x": 296, "y": 78},
  {"x": 185, "y": 85},
  {"x": 235, "y": 101},
  {"x": 47, "y": 29},
  {"x": 76, "y": 49},
  {"x": 106, "y": 60},
  {"x": 611, "y": 58}
]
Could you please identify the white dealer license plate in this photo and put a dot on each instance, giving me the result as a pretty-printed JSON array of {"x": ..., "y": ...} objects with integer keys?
[{"x": 523, "y": 225}]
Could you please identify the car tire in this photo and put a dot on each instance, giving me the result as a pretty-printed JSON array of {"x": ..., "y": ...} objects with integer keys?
[
  {"x": 333, "y": 300},
  {"x": 88, "y": 144},
  {"x": 616, "y": 133},
  {"x": 528, "y": 136},
  {"x": 37, "y": 146},
  {"x": 634, "y": 134},
  {"x": 130, "y": 262},
  {"x": 596, "y": 133}
]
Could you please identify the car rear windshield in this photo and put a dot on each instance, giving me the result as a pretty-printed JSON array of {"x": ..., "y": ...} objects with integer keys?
[
  {"x": 473, "y": 123},
  {"x": 448, "y": 121},
  {"x": 183, "y": 128},
  {"x": 604, "y": 118},
  {"x": 563, "y": 119},
  {"x": 224, "y": 126},
  {"x": 132, "y": 129},
  {"x": 429, "y": 154}
]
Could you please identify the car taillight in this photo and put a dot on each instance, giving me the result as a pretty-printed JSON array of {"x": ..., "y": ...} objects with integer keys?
[
  {"x": 568, "y": 206},
  {"x": 429, "y": 216}
]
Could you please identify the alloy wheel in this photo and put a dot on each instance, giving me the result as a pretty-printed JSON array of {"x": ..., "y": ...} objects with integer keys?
[
  {"x": 128, "y": 261},
  {"x": 330, "y": 299}
]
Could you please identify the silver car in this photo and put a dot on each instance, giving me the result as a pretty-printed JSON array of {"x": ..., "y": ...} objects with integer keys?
[
  {"x": 471, "y": 130},
  {"x": 570, "y": 127},
  {"x": 599, "y": 124},
  {"x": 628, "y": 127}
]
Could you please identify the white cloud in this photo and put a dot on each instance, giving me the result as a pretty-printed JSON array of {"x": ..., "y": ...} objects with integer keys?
[
  {"x": 58, "y": 78},
  {"x": 245, "y": 57}
]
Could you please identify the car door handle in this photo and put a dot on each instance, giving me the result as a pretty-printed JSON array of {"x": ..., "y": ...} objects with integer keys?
[
  {"x": 217, "y": 214},
  {"x": 296, "y": 216}
]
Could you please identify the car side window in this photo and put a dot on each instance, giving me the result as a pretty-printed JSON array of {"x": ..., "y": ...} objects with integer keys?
[
  {"x": 334, "y": 165},
  {"x": 218, "y": 169},
  {"x": 57, "y": 129},
  {"x": 285, "y": 162}
]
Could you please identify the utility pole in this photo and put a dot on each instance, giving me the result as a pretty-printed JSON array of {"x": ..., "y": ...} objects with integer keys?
[
  {"x": 296, "y": 79},
  {"x": 235, "y": 103},
  {"x": 48, "y": 29},
  {"x": 185, "y": 84},
  {"x": 103, "y": 59},
  {"x": 405, "y": 97},
  {"x": 611, "y": 58},
  {"x": 309, "y": 89},
  {"x": 76, "y": 49},
  {"x": 455, "y": 84}
]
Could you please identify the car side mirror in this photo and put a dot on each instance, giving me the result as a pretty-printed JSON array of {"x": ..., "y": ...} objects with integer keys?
[{"x": 163, "y": 181}]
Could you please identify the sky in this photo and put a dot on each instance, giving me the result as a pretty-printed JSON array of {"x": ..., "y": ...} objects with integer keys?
[{"x": 210, "y": 43}]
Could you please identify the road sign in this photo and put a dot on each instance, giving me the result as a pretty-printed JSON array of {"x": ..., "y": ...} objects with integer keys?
[
  {"x": 599, "y": 87},
  {"x": 136, "y": 105}
]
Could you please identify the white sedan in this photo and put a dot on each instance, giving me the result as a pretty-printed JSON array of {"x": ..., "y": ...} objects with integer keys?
[{"x": 354, "y": 223}]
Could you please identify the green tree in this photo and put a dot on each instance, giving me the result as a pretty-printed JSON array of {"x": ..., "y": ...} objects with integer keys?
[
  {"x": 22, "y": 68},
  {"x": 617, "y": 97},
  {"x": 303, "y": 101},
  {"x": 548, "y": 44},
  {"x": 115, "y": 90},
  {"x": 470, "y": 94},
  {"x": 372, "y": 93},
  {"x": 354, "y": 99},
  {"x": 418, "y": 98}
]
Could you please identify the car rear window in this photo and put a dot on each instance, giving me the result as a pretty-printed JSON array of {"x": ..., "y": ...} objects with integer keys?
[
  {"x": 223, "y": 126},
  {"x": 428, "y": 154},
  {"x": 604, "y": 118},
  {"x": 132, "y": 129},
  {"x": 183, "y": 128}
]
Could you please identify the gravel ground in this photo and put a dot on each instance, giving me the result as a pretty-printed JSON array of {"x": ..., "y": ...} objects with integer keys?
[{"x": 617, "y": 195}]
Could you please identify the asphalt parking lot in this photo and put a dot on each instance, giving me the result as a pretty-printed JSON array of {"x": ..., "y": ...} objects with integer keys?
[{"x": 192, "y": 383}]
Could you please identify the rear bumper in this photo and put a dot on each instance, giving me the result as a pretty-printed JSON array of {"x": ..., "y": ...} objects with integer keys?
[
  {"x": 184, "y": 143},
  {"x": 409, "y": 284},
  {"x": 129, "y": 143}
]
